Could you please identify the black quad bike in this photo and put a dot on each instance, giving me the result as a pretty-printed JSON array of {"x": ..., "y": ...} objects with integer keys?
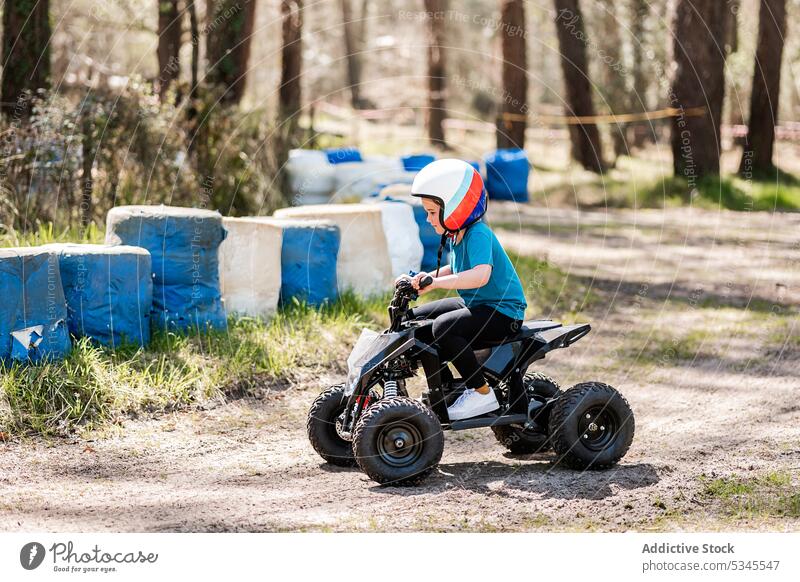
[{"x": 371, "y": 421}]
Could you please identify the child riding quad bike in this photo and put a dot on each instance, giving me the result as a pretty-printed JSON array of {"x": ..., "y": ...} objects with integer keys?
[
  {"x": 371, "y": 421},
  {"x": 397, "y": 440}
]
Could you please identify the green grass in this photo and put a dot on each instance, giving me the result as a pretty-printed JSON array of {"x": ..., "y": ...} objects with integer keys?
[
  {"x": 768, "y": 495},
  {"x": 666, "y": 350},
  {"x": 730, "y": 192},
  {"x": 550, "y": 291},
  {"x": 95, "y": 384},
  {"x": 787, "y": 333},
  {"x": 46, "y": 233},
  {"x": 634, "y": 186}
]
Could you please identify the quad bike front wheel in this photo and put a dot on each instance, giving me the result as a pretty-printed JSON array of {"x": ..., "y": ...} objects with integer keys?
[
  {"x": 324, "y": 427},
  {"x": 398, "y": 441},
  {"x": 591, "y": 426},
  {"x": 525, "y": 442}
]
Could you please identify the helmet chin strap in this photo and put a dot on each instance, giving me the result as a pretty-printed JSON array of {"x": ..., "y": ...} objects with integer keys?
[{"x": 447, "y": 234}]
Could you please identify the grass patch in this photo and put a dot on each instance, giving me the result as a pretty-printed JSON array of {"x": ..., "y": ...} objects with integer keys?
[
  {"x": 750, "y": 304},
  {"x": 47, "y": 233},
  {"x": 550, "y": 291},
  {"x": 767, "y": 495},
  {"x": 780, "y": 192},
  {"x": 666, "y": 351},
  {"x": 95, "y": 384},
  {"x": 786, "y": 334},
  {"x": 730, "y": 192}
]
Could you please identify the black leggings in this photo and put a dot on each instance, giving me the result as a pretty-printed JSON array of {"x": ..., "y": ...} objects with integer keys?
[{"x": 456, "y": 327}]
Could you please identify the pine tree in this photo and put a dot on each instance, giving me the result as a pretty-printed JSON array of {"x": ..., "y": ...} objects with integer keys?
[
  {"x": 585, "y": 138},
  {"x": 699, "y": 31},
  {"x": 758, "y": 150},
  {"x": 511, "y": 132}
]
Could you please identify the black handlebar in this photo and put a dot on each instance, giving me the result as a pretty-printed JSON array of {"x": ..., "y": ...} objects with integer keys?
[
  {"x": 405, "y": 287},
  {"x": 404, "y": 292}
]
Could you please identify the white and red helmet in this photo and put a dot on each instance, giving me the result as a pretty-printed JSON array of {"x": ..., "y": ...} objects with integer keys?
[{"x": 458, "y": 187}]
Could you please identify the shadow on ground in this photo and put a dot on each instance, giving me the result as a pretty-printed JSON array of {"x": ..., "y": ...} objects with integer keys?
[{"x": 543, "y": 479}]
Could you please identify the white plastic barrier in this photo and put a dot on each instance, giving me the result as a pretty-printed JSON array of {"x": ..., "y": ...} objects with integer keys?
[
  {"x": 311, "y": 176},
  {"x": 402, "y": 235},
  {"x": 250, "y": 265},
  {"x": 360, "y": 179},
  {"x": 363, "y": 263},
  {"x": 399, "y": 191},
  {"x": 427, "y": 235}
]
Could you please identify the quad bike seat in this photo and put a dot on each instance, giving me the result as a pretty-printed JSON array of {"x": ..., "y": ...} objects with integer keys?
[{"x": 529, "y": 328}]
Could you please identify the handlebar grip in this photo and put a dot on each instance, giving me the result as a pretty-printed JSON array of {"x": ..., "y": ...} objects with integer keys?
[{"x": 425, "y": 281}]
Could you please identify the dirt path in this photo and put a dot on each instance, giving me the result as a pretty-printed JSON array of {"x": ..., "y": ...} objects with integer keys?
[{"x": 698, "y": 328}]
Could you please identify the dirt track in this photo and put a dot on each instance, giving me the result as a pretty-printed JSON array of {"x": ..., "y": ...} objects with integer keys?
[{"x": 717, "y": 398}]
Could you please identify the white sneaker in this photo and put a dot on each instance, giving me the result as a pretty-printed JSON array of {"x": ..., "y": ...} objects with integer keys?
[{"x": 472, "y": 403}]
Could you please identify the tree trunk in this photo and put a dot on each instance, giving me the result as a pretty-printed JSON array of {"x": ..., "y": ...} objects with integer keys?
[
  {"x": 87, "y": 162},
  {"x": 192, "y": 105},
  {"x": 194, "y": 28},
  {"x": 362, "y": 25},
  {"x": 289, "y": 92},
  {"x": 732, "y": 34},
  {"x": 26, "y": 54},
  {"x": 585, "y": 138},
  {"x": 617, "y": 97},
  {"x": 699, "y": 81},
  {"x": 639, "y": 12},
  {"x": 169, "y": 44},
  {"x": 758, "y": 149},
  {"x": 511, "y": 132},
  {"x": 289, "y": 95},
  {"x": 352, "y": 58},
  {"x": 230, "y": 28},
  {"x": 437, "y": 96}
]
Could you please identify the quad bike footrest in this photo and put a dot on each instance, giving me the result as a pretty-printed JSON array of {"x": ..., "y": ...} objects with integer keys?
[{"x": 488, "y": 420}]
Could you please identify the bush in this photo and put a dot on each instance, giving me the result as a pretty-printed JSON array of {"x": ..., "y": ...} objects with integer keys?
[{"x": 77, "y": 156}]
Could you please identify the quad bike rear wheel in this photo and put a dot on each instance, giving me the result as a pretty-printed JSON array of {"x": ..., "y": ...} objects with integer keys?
[
  {"x": 525, "y": 442},
  {"x": 324, "y": 427},
  {"x": 591, "y": 426},
  {"x": 398, "y": 441}
]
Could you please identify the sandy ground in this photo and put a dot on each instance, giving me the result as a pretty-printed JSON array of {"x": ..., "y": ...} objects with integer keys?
[{"x": 728, "y": 408}]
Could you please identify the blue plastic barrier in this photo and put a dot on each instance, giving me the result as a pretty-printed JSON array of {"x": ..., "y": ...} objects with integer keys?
[
  {"x": 109, "y": 292},
  {"x": 308, "y": 261},
  {"x": 342, "y": 155},
  {"x": 183, "y": 244},
  {"x": 507, "y": 173},
  {"x": 33, "y": 312},
  {"x": 414, "y": 163}
]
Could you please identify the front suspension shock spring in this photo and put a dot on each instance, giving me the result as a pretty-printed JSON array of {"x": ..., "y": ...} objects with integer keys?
[{"x": 390, "y": 388}]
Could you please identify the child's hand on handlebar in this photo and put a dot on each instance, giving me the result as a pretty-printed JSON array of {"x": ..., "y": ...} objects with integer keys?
[
  {"x": 420, "y": 282},
  {"x": 417, "y": 283},
  {"x": 417, "y": 278}
]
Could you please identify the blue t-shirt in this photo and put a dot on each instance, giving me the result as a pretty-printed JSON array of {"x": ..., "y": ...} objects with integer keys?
[{"x": 504, "y": 291}]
